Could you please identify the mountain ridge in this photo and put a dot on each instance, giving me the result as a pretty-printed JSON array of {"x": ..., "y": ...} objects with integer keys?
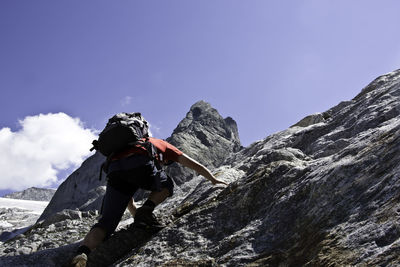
[{"x": 33, "y": 193}]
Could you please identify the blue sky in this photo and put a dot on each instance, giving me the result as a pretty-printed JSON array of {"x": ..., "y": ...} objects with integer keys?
[{"x": 267, "y": 64}]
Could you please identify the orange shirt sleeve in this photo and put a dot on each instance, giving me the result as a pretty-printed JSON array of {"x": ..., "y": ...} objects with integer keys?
[{"x": 169, "y": 151}]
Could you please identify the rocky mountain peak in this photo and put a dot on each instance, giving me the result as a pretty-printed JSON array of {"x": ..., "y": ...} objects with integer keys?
[
  {"x": 201, "y": 109},
  {"x": 202, "y": 117},
  {"x": 205, "y": 136}
]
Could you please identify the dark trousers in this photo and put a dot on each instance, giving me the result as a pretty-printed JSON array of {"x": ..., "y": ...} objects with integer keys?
[{"x": 123, "y": 182}]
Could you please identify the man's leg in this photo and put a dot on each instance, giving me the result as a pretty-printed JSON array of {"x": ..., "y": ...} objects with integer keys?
[
  {"x": 132, "y": 207},
  {"x": 162, "y": 187},
  {"x": 114, "y": 205},
  {"x": 166, "y": 190},
  {"x": 144, "y": 215},
  {"x": 95, "y": 236},
  {"x": 158, "y": 197}
]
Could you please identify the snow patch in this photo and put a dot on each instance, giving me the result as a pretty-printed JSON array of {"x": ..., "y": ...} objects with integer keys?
[{"x": 35, "y": 207}]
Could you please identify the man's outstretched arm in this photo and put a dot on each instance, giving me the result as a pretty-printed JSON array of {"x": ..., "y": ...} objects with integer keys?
[{"x": 187, "y": 161}]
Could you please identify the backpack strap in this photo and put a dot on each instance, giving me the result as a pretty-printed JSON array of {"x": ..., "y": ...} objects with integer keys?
[
  {"x": 104, "y": 165},
  {"x": 101, "y": 171},
  {"x": 146, "y": 144}
]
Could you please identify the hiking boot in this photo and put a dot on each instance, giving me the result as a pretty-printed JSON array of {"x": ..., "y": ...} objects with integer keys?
[
  {"x": 79, "y": 260},
  {"x": 145, "y": 218}
]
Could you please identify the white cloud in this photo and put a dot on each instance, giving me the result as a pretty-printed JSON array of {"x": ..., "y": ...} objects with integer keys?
[
  {"x": 126, "y": 101},
  {"x": 154, "y": 129},
  {"x": 45, "y": 144}
]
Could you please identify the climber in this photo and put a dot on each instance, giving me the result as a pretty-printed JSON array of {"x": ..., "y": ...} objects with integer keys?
[{"x": 128, "y": 171}]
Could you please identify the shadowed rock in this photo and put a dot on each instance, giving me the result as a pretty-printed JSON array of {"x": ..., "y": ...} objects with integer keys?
[{"x": 81, "y": 190}]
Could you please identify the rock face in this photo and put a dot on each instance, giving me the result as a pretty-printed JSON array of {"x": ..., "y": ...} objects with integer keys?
[
  {"x": 33, "y": 193},
  {"x": 81, "y": 190},
  {"x": 324, "y": 192}
]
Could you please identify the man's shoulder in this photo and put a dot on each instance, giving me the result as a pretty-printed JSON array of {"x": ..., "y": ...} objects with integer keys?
[
  {"x": 157, "y": 140},
  {"x": 159, "y": 143},
  {"x": 164, "y": 146}
]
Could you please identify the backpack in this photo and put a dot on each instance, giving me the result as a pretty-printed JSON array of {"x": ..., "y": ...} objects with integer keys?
[{"x": 122, "y": 130}]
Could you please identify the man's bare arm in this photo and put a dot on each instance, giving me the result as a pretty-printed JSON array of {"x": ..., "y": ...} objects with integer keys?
[{"x": 187, "y": 161}]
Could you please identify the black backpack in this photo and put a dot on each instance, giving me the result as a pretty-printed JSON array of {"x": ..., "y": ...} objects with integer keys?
[{"x": 122, "y": 130}]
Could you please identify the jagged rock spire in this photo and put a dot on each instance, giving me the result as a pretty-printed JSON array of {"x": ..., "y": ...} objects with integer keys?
[{"x": 205, "y": 136}]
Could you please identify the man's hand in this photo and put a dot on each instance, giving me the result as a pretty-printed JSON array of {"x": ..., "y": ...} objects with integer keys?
[{"x": 216, "y": 181}]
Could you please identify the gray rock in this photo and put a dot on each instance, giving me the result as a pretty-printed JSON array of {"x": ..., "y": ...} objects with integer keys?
[
  {"x": 73, "y": 192},
  {"x": 323, "y": 193},
  {"x": 205, "y": 136},
  {"x": 15, "y": 221},
  {"x": 62, "y": 216},
  {"x": 310, "y": 120}
]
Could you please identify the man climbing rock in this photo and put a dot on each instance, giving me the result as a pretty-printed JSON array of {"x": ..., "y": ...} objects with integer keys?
[{"x": 138, "y": 165}]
